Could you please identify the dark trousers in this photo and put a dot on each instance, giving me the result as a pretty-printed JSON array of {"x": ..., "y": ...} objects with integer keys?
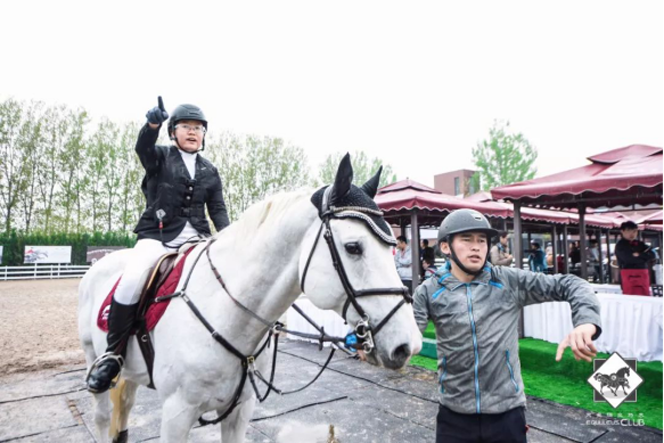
[
  {"x": 508, "y": 427},
  {"x": 408, "y": 284}
]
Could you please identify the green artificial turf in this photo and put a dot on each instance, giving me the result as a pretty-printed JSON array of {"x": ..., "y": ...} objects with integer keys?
[{"x": 565, "y": 381}]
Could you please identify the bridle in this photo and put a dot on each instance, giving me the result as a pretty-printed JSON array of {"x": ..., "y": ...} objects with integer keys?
[
  {"x": 363, "y": 334},
  {"x": 363, "y": 331}
]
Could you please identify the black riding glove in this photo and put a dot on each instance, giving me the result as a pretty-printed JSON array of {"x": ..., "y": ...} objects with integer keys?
[{"x": 156, "y": 115}]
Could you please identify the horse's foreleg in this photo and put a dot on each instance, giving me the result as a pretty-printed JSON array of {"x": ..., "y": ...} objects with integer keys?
[
  {"x": 234, "y": 427},
  {"x": 102, "y": 407},
  {"x": 178, "y": 417},
  {"x": 123, "y": 397},
  {"x": 101, "y": 403}
]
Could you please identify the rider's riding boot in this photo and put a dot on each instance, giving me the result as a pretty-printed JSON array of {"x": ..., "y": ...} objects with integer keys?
[{"x": 121, "y": 319}]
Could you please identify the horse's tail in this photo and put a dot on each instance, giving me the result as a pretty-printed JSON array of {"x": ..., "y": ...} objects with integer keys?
[{"x": 117, "y": 394}]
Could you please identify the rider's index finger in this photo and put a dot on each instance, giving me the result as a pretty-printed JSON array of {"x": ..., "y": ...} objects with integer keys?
[{"x": 161, "y": 103}]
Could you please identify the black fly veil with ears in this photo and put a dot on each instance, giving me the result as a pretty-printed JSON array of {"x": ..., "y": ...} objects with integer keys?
[{"x": 340, "y": 199}]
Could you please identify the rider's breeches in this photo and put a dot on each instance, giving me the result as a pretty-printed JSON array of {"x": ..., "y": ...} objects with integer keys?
[{"x": 143, "y": 257}]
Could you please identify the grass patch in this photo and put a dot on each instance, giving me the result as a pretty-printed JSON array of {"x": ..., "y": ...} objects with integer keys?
[{"x": 565, "y": 381}]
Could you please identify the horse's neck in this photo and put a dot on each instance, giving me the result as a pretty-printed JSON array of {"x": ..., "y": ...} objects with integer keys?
[{"x": 262, "y": 273}]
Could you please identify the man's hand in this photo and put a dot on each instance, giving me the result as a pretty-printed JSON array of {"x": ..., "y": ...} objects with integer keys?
[
  {"x": 157, "y": 115},
  {"x": 580, "y": 340}
]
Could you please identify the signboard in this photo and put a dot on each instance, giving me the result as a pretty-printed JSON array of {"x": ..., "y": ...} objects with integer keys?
[
  {"x": 96, "y": 253},
  {"x": 47, "y": 254}
]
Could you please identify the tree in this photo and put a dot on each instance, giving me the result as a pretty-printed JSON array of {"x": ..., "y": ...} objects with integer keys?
[
  {"x": 71, "y": 159},
  {"x": 504, "y": 158},
  {"x": 253, "y": 168},
  {"x": 16, "y": 166},
  {"x": 32, "y": 146},
  {"x": 363, "y": 169}
]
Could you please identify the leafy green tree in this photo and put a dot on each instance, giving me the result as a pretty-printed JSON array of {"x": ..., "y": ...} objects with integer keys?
[
  {"x": 504, "y": 157},
  {"x": 363, "y": 169},
  {"x": 16, "y": 161},
  {"x": 131, "y": 199},
  {"x": 253, "y": 168},
  {"x": 72, "y": 179},
  {"x": 49, "y": 176},
  {"x": 32, "y": 146}
]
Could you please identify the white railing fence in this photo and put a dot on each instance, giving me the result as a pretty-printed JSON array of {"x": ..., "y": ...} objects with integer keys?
[{"x": 36, "y": 271}]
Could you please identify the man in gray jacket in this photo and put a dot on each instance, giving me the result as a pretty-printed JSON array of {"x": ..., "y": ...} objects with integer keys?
[{"x": 475, "y": 308}]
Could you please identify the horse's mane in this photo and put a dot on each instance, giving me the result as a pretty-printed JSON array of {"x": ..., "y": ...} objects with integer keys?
[{"x": 263, "y": 215}]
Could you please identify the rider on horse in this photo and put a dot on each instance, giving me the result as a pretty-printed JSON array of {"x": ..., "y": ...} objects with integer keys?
[{"x": 178, "y": 184}]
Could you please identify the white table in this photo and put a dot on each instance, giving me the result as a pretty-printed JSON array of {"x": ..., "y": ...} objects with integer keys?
[
  {"x": 330, "y": 320},
  {"x": 631, "y": 324},
  {"x": 605, "y": 288}
]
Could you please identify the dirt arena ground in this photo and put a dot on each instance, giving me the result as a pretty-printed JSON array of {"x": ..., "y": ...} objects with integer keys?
[
  {"x": 42, "y": 368},
  {"x": 38, "y": 326}
]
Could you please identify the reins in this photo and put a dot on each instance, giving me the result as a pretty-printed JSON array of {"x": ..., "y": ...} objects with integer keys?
[{"x": 362, "y": 336}]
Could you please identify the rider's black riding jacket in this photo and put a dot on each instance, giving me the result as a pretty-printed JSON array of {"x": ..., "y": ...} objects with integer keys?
[{"x": 168, "y": 187}]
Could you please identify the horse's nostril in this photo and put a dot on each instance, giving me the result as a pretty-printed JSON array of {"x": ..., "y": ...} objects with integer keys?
[{"x": 401, "y": 354}]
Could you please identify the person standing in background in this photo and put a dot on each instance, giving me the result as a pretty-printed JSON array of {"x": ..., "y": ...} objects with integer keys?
[
  {"x": 403, "y": 261},
  {"x": 499, "y": 253}
]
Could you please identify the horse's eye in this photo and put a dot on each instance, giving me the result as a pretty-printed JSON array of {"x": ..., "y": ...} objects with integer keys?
[{"x": 353, "y": 248}]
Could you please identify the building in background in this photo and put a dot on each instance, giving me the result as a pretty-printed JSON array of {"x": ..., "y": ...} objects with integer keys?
[{"x": 457, "y": 183}]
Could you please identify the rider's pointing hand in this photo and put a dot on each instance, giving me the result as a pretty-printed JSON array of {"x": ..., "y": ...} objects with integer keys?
[{"x": 157, "y": 115}]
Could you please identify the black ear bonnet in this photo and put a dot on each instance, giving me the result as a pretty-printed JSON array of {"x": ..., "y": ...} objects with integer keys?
[{"x": 341, "y": 207}]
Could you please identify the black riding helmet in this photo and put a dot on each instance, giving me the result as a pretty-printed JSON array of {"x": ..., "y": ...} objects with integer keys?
[
  {"x": 187, "y": 112},
  {"x": 460, "y": 221}
]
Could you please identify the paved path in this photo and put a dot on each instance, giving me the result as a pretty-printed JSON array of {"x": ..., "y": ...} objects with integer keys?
[{"x": 364, "y": 403}]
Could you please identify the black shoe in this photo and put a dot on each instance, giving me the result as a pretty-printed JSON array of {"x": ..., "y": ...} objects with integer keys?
[
  {"x": 121, "y": 319},
  {"x": 102, "y": 375}
]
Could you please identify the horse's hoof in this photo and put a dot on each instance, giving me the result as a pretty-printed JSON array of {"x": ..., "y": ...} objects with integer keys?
[{"x": 122, "y": 437}]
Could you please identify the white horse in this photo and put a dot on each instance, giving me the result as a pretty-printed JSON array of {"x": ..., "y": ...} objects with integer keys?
[{"x": 263, "y": 258}]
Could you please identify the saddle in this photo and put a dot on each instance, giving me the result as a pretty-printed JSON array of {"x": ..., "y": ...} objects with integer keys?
[{"x": 162, "y": 281}]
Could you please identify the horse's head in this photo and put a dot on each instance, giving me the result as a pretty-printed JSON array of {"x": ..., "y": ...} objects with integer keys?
[{"x": 347, "y": 265}]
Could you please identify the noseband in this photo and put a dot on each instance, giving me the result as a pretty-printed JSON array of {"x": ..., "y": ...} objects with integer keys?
[{"x": 363, "y": 330}]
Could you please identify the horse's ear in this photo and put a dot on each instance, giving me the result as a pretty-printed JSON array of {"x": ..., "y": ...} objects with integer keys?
[
  {"x": 371, "y": 186},
  {"x": 343, "y": 180}
]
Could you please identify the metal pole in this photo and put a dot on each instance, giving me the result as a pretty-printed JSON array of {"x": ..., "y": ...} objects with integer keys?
[
  {"x": 601, "y": 256},
  {"x": 415, "y": 248},
  {"x": 565, "y": 249},
  {"x": 608, "y": 256},
  {"x": 402, "y": 226},
  {"x": 583, "y": 243},
  {"x": 518, "y": 251},
  {"x": 554, "y": 247}
]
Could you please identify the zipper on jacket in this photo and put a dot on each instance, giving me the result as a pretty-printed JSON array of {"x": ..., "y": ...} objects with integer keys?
[
  {"x": 442, "y": 376},
  {"x": 509, "y": 366},
  {"x": 477, "y": 355}
]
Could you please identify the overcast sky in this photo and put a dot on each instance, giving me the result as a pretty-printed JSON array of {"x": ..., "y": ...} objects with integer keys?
[{"x": 416, "y": 83}]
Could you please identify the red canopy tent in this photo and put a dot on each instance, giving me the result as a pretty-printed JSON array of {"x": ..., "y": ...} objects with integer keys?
[
  {"x": 652, "y": 219},
  {"x": 408, "y": 200},
  {"x": 398, "y": 199},
  {"x": 544, "y": 215},
  {"x": 622, "y": 177}
]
